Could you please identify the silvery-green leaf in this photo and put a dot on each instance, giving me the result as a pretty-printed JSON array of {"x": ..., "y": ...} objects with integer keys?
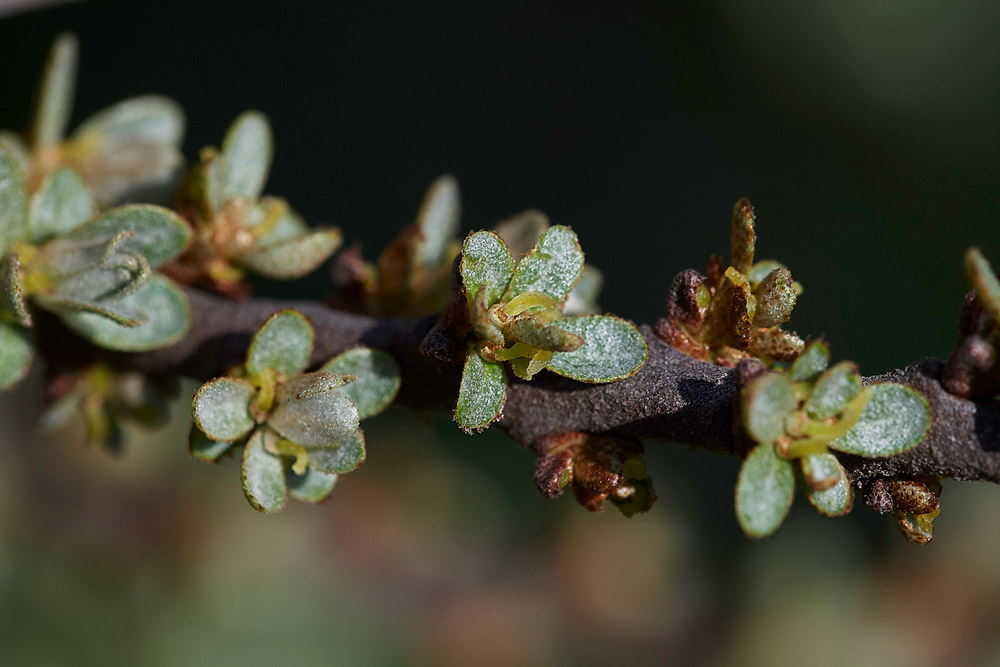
[
  {"x": 293, "y": 258},
  {"x": 312, "y": 487},
  {"x": 438, "y": 220},
  {"x": 835, "y": 500},
  {"x": 284, "y": 343},
  {"x": 553, "y": 267},
  {"x": 984, "y": 281},
  {"x": 13, "y": 202},
  {"x": 775, "y": 299},
  {"x": 248, "y": 148},
  {"x": 895, "y": 419},
  {"x": 16, "y": 146},
  {"x": 522, "y": 231},
  {"x": 530, "y": 331},
  {"x": 765, "y": 403},
  {"x": 377, "y": 378},
  {"x": 263, "y": 474},
  {"x": 159, "y": 299},
  {"x": 55, "y": 99},
  {"x": 203, "y": 448},
  {"x": 808, "y": 366},
  {"x": 221, "y": 408},
  {"x": 149, "y": 119},
  {"x": 742, "y": 238},
  {"x": 11, "y": 295},
  {"x": 482, "y": 393},
  {"x": 834, "y": 390},
  {"x": 121, "y": 273},
  {"x": 342, "y": 459},
  {"x": 583, "y": 299},
  {"x": 486, "y": 263},
  {"x": 762, "y": 269},
  {"x": 16, "y": 351},
  {"x": 59, "y": 413},
  {"x": 61, "y": 204},
  {"x": 613, "y": 349},
  {"x": 764, "y": 491},
  {"x": 312, "y": 411},
  {"x": 113, "y": 311},
  {"x": 159, "y": 235},
  {"x": 273, "y": 221}
]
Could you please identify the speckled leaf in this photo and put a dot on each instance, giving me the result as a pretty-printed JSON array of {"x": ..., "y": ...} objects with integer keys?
[
  {"x": 61, "y": 204},
  {"x": 530, "y": 331},
  {"x": 342, "y": 459},
  {"x": 438, "y": 220},
  {"x": 834, "y": 390},
  {"x": 312, "y": 487},
  {"x": 762, "y": 269},
  {"x": 583, "y": 299},
  {"x": 810, "y": 364},
  {"x": 159, "y": 299},
  {"x": 765, "y": 403},
  {"x": 742, "y": 238},
  {"x": 613, "y": 349},
  {"x": 312, "y": 411},
  {"x": 11, "y": 295},
  {"x": 764, "y": 491},
  {"x": 15, "y": 144},
  {"x": 377, "y": 378},
  {"x": 293, "y": 258},
  {"x": 16, "y": 352},
  {"x": 221, "y": 408},
  {"x": 263, "y": 474},
  {"x": 835, "y": 500},
  {"x": 13, "y": 202},
  {"x": 486, "y": 263},
  {"x": 203, "y": 448},
  {"x": 159, "y": 234},
  {"x": 121, "y": 272},
  {"x": 775, "y": 344},
  {"x": 775, "y": 299},
  {"x": 482, "y": 393},
  {"x": 284, "y": 343},
  {"x": 521, "y": 232},
  {"x": 984, "y": 281},
  {"x": 55, "y": 99},
  {"x": 553, "y": 267},
  {"x": 248, "y": 148},
  {"x": 895, "y": 420}
]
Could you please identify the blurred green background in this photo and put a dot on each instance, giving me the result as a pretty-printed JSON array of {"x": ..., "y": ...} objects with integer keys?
[{"x": 865, "y": 134}]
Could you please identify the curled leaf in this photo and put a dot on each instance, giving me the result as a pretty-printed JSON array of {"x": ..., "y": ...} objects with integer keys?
[
  {"x": 834, "y": 499},
  {"x": 155, "y": 232}
]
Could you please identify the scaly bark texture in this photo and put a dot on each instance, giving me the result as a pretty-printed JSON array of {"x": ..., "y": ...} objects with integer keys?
[{"x": 673, "y": 397}]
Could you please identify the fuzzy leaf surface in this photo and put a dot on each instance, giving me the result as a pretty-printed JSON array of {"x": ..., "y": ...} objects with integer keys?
[
  {"x": 312, "y": 411},
  {"x": 13, "y": 202},
  {"x": 342, "y": 459},
  {"x": 221, "y": 408},
  {"x": 836, "y": 500},
  {"x": 312, "y": 487},
  {"x": 377, "y": 378},
  {"x": 481, "y": 394},
  {"x": 811, "y": 363},
  {"x": 552, "y": 267},
  {"x": 61, "y": 204},
  {"x": 284, "y": 343},
  {"x": 16, "y": 351},
  {"x": 203, "y": 448},
  {"x": 834, "y": 389},
  {"x": 764, "y": 491},
  {"x": 11, "y": 295},
  {"x": 486, "y": 263},
  {"x": 895, "y": 419},
  {"x": 159, "y": 235},
  {"x": 248, "y": 147},
  {"x": 613, "y": 349},
  {"x": 263, "y": 474},
  {"x": 293, "y": 258},
  {"x": 438, "y": 220},
  {"x": 766, "y": 402}
]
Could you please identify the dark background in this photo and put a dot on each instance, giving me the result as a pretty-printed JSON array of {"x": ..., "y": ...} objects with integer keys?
[{"x": 866, "y": 137}]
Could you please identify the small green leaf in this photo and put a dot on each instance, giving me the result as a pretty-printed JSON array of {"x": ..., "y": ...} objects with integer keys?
[
  {"x": 377, "y": 378},
  {"x": 221, "y": 408},
  {"x": 613, "y": 349},
  {"x": 342, "y": 459},
  {"x": 162, "y": 302},
  {"x": 835, "y": 500},
  {"x": 17, "y": 148},
  {"x": 13, "y": 202},
  {"x": 742, "y": 238},
  {"x": 293, "y": 258},
  {"x": 61, "y": 204},
  {"x": 766, "y": 402},
  {"x": 146, "y": 119},
  {"x": 284, "y": 343},
  {"x": 764, "y": 491},
  {"x": 895, "y": 419},
  {"x": 583, "y": 299},
  {"x": 482, "y": 393},
  {"x": 984, "y": 281},
  {"x": 121, "y": 272},
  {"x": 113, "y": 311},
  {"x": 438, "y": 220},
  {"x": 16, "y": 352},
  {"x": 763, "y": 269},
  {"x": 775, "y": 299},
  {"x": 553, "y": 267},
  {"x": 11, "y": 295},
  {"x": 834, "y": 390},
  {"x": 248, "y": 149},
  {"x": 203, "y": 448},
  {"x": 808, "y": 366},
  {"x": 55, "y": 100},
  {"x": 486, "y": 263},
  {"x": 312, "y": 487},
  {"x": 522, "y": 231},
  {"x": 530, "y": 331},
  {"x": 312, "y": 411},
  {"x": 159, "y": 235},
  {"x": 263, "y": 474}
]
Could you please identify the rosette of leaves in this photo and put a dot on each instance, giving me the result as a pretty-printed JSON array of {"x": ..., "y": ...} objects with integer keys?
[
  {"x": 516, "y": 316},
  {"x": 973, "y": 370},
  {"x": 104, "y": 398},
  {"x": 129, "y": 151},
  {"x": 598, "y": 468},
  {"x": 96, "y": 274},
  {"x": 795, "y": 418},
  {"x": 237, "y": 228},
  {"x": 735, "y": 312},
  {"x": 298, "y": 431}
]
